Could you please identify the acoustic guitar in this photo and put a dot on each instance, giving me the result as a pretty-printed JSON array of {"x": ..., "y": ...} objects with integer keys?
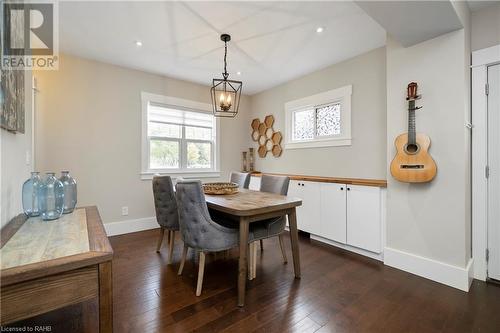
[{"x": 412, "y": 163}]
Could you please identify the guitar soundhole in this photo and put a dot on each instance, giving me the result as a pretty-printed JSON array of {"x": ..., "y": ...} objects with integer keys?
[{"x": 412, "y": 148}]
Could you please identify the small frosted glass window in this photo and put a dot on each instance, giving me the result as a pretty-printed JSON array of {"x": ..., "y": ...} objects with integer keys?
[
  {"x": 328, "y": 120},
  {"x": 321, "y": 120},
  {"x": 303, "y": 125}
]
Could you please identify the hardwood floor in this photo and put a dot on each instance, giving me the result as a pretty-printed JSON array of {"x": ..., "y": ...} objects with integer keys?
[{"x": 338, "y": 292}]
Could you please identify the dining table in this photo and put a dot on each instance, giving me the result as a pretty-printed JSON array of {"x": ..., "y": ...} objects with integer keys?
[{"x": 246, "y": 207}]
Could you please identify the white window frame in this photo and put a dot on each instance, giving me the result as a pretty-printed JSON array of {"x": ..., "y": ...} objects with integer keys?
[
  {"x": 341, "y": 95},
  {"x": 177, "y": 103}
]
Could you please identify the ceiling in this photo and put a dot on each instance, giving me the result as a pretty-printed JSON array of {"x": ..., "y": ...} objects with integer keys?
[
  {"x": 412, "y": 22},
  {"x": 476, "y": 5},
  {"x": 272, "y": 42}
]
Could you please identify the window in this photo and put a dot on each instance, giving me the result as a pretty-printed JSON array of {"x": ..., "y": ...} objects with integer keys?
[
  {"x": 320, "y": 120},
  {"x": 179, "y": 137}
]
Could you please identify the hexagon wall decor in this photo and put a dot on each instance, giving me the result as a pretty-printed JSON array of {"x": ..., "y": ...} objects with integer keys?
[
  {"x": 268, "y": 139},
  {"x": 262, "y": 151},
  {"x": 277, "y": 150},
  {"x": 255, "y": 124}
]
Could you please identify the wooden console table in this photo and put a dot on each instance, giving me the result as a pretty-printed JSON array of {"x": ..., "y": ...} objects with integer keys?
[{"x": 46, "y": 265}]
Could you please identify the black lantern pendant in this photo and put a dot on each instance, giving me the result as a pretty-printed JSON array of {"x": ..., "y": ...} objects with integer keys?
[{"x": 225, "y": 93}]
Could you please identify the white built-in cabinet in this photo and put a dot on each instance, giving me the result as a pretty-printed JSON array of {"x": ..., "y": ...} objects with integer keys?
[
  {"x": 254, "y": 183},
  {"x": 348, "y": 215},
  {"x": 364, "y": 217},
  {"x": 309, "y": 212},
  {"x": 333, "y": 211}
]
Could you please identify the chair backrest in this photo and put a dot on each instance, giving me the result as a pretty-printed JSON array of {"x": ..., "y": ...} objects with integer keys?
[
  {"x": 197, "y": 228},
  {"x": 240, "y": 178},
  {"x": 165, "y": 202},
  {"x": 274, "y": 184}
]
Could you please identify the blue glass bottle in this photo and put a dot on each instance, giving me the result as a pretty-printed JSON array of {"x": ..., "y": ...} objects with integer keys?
[
  {"x": 51, "y": 197},
  {"x": 30, "y": 195},
  {"x": 69, "y": 184}
]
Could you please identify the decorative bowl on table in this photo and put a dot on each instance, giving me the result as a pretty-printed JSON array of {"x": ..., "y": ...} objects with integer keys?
[{"x": 220, "y": 188}]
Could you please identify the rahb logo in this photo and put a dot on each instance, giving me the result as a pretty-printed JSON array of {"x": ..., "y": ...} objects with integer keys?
[{"x": 30, "y": 35}]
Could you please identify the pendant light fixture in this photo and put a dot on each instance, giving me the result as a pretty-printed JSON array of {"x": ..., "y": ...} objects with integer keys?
[{"x": 225, "y": 93}]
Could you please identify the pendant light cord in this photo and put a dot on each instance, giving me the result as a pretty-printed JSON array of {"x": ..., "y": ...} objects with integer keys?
[{"x": 225, "y": 74}]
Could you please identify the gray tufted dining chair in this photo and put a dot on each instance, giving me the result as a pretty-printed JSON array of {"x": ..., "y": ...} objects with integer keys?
[
  {"x": 271, "y": 227},
  {"x": 166, "y": 211},
  {"x": 240, "y": 178},
  {"x": 198, "y": 230}
]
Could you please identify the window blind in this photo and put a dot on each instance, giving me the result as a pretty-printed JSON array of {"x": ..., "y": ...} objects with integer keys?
[{"x": 165, "y": 114}]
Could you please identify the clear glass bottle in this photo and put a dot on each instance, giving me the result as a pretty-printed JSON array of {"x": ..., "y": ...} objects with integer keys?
[
  {"x": 69, "y": 189},
  {"x": 51, "y": 197},
  {"x": 30, "y": 195}
]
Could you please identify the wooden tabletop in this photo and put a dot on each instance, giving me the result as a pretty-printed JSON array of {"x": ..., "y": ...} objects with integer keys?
[
  {"x": 40, "y": 248},
  {"x": 38, "y": 240},
  {"x": 248, "y": 202}
]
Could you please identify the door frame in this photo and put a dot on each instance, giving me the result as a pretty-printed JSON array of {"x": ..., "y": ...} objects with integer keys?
[{"x": 481, "y": 59}]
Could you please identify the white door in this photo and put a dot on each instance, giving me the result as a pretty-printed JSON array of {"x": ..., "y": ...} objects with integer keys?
[
  {"x": 307, "y": 214},
  {"x": 494, "y": 172},
  {"x": 333, "y": 211},
  {"x": 363, "y": 217}
]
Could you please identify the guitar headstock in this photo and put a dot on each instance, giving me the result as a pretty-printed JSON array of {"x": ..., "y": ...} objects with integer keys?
[{"x": 411, "y": 91}]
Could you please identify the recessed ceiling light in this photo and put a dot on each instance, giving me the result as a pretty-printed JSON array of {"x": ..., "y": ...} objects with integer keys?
[
  {"x": 238, "y": 73},
  {"x": 138, "y": 43},
  {"x": 319, "y": 30}
]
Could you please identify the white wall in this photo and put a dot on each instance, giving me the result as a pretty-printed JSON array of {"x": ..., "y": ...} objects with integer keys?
[
  {"x": 14, "y": 167},
  {"x": 485, "y": 27},
  {"x": 432, "y": 220},
  {"x": 366, "y": 157},
  {"x": 90, "y": 124}
]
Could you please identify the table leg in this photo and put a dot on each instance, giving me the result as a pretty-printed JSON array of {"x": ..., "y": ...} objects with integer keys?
[
  {"x": 243, "y": 265},
  {"x": 105, "y": 298},
  {"x": 294, "y": 239}
]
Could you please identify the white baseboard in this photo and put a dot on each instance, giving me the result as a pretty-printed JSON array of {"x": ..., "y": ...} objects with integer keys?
[
  {"x": 453, "y": 276},
  {"x": 373, "y": 255},
  {"x": 128, "y": 226},
  {"x": 470, "y": 272}
]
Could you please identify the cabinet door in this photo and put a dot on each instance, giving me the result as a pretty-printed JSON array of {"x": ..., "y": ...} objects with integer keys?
[
  {"x": 363, "y": 217},
  {"x": 333, "y": 211},
  {"x": 254, "y": 183},
  {"x": 295, "y": 190},
  {"x": 308, "y": 215}
]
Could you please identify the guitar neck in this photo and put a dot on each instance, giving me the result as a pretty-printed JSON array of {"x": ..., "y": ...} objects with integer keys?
[{"x": 412, "y": 135}]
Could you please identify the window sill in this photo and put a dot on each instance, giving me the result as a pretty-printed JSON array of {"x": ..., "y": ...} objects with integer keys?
[
  {"x": 182, "y": 174},
  {"x": 318, "y": 144}
]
